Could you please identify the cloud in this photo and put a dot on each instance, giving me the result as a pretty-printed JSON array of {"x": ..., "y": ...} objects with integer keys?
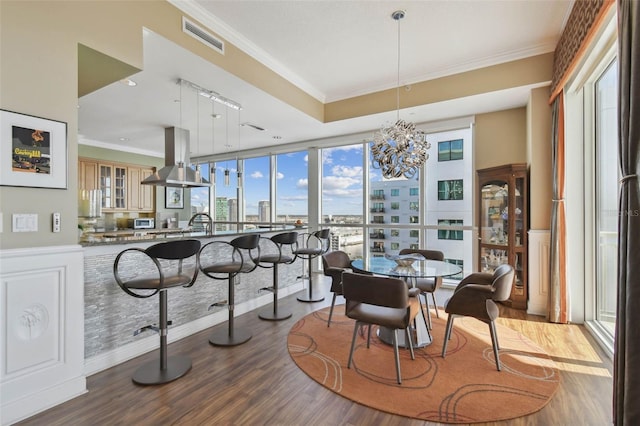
[
  {"x": 331, "y": 183},
  {"x": 279, "y": 175},
  {"x": 302, "y": 184},
  {"x": 355, "y": 171},
  {"x": 257, "y": 174}
]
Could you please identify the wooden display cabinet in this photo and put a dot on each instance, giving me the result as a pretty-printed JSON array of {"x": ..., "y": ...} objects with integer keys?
[{"x": 503, "y": 224}]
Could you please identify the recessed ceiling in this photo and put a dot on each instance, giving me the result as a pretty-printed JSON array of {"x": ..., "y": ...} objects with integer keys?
[{"x": 331, "y": 49}]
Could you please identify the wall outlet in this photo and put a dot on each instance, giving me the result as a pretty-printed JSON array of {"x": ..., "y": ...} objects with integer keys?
[{"x": 56, "y": 222}]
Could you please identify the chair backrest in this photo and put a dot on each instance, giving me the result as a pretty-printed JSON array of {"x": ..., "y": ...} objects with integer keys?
[
  {"x": 335, "y": 259},
  {"x": 285, "y": 238},
  {"x": 247, "y": 242},
  {"x": 174, "y": 250},
  {"x": 502, "y": 282},
  {"x": 427, "y": 254},
  {"x": 374, "y": 290}
]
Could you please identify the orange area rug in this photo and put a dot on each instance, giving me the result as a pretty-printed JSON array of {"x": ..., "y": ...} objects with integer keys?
[{"x": 464, "y": 387}]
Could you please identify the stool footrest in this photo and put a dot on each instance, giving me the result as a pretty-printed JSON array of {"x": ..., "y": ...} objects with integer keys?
[
  {"x": 271, "y": 289},
  {"x": 152, "y": 327},
  {"x": 217, "y": 304}
]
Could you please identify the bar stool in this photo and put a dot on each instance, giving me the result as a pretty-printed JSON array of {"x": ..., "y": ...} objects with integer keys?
[
  {"x": 314, "y": 245},
  {"x": 286, "y": 243},
  {"x": 241, "y": 256},
  {"x": 164, "y": 275}
]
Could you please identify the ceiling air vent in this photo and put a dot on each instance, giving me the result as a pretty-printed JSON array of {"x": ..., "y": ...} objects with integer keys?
[
  {"x": 201, "y": 35},
  {"x": 254, "y": 126}
]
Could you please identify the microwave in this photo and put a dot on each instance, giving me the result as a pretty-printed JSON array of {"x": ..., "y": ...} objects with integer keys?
[{"x": 142, "y": 223}]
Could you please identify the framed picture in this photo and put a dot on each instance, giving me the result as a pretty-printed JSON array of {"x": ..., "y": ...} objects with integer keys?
[
  {"x": 174, "y": 198},
  {"x": 33, "y": 151}
]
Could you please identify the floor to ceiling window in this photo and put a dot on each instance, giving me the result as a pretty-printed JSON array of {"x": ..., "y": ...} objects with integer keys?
[
  {"x": 291, "y": 187},
  {"x": 606, "y": 196},
  {"x": 592, "y": 188},
  {"x": 342, "y": 197}
]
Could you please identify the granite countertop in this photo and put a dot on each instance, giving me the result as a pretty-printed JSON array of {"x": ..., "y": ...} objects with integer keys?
[{"x": 90, "y": 239}]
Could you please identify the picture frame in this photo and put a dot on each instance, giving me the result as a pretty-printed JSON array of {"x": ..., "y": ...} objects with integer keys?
[
  {"x": 174, "y": 198},
  {"x": 33, "y": 151}
]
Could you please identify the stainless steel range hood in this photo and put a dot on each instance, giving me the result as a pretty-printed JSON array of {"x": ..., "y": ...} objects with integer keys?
[{"x": 176, "y": 171}]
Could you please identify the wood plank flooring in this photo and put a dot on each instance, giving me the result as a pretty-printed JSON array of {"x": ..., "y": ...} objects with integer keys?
[{"x": 258, "y": 384}]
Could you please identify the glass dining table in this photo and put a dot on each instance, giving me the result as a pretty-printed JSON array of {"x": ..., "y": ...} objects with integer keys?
[{"x": 407, "y": 269}]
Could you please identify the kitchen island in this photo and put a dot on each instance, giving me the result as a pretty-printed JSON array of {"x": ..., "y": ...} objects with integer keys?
[{"x": 111, "y": 316}]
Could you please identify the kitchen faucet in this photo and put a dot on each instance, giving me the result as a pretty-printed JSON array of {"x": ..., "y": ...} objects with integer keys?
[{"x": 202, "y": 220}]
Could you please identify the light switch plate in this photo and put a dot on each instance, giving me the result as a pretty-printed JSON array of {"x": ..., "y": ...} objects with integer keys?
[
  {"x": 56, "y": 222},
  {"x": 24, "y": 222}
]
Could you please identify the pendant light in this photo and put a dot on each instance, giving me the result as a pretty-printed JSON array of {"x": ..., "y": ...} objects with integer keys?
[
  {"x": 226, "y": 168},
  {"x": 239, "y": 162},
  {"x": 399, "y": 150},
  {"x": 213, "y": 131}
]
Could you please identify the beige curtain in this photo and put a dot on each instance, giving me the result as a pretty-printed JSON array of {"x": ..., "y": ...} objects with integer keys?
[
  {"x": 626, "y": 375},
  {"x": 558, "y": 294}
]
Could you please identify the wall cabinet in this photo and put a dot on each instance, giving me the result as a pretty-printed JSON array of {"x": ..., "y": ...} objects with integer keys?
[
  {"x": 503, "y": 224},
  {"x": 140, "y": 197},
  {"x": 119, "y": 184},
  {"x": 87, "y": 175}
]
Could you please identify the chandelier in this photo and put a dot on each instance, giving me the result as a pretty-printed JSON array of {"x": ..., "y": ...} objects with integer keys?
[{"x": 399, "y": 150}]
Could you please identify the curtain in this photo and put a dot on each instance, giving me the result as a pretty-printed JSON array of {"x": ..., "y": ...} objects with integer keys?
[
  {"x": 626, "y": 375},
  {"x": 558, "y": 294}
]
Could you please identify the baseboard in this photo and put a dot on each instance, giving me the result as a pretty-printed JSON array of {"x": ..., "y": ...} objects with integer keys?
[
  {"x": 29, "y": 405},
  {"x": 126, "y": 352}
]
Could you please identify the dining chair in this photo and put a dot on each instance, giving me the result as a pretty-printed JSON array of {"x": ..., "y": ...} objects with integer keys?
[
  {"x": 428, "y": 285},
  {"x": 143, "y": 273},
  {"x": 334, "y": 263},
  {"x": 476, "y": 296},
  {"x": 382, "y": 301}
]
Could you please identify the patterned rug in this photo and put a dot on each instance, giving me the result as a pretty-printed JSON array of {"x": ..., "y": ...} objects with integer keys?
[{"x": 464, "y": 387}]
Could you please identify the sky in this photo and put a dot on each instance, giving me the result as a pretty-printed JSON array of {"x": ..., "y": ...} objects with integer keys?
[{"x": 342, "y": 182}]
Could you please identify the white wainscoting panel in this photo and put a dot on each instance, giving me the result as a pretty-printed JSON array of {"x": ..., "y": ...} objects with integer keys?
[
  {"x": 42, "y": 332},
  {"x": 539, "y": 252}
]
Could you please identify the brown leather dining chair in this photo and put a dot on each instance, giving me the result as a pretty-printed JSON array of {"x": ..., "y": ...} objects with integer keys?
[
  {"x": 428, "y": 285},
  {"x": 476, "y": 296},
  {"x": 382, "y": 301},
  {"x": 334, "y": 263}
]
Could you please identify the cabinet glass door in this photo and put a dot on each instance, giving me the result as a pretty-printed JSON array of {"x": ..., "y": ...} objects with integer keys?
[
  {"x": 494, "y": 226},
  {"x": 120, "y": 188},
  {"x": 105, "y": 186}
]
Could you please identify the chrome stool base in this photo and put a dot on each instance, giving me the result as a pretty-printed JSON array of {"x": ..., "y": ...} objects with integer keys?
[
  {"x": 310, "y": 298},
  {"x": 232, "y": 337},
  {"x": 269, "y": 315},
  {"x": 151, "y": 373}
]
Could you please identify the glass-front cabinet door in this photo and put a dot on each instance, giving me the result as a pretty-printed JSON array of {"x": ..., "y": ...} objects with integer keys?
[{"x": 503, "y": 224}]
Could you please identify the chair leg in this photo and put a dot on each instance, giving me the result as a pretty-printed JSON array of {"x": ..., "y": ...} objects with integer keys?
[
  {"x": 353, "y": 343},
  {"x": 397, "y": 355},
  {"x": 435, "y": 304},
  {"x": 333, "y": 303},
  {"x": 274, "y": 315},
  {"x": 428, "y": 317},
  {"x": 494, "y": 341},
  {"x": 368, "y": 336},
  {"x": 310, "y": 296},
  {"x": 447, "y": 335},
  {"x": 233, "y": 336},
  {"x": 169, "y": 368},
  {"x": 407, "y": 332},
  {"x": 425, "y": 315}
]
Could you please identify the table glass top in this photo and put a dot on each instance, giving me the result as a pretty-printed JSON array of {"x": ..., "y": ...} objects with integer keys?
[{"x": 419, "y": 268}]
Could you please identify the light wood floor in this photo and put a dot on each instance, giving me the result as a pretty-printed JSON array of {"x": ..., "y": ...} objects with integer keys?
[{"x": 258, "y": 384}]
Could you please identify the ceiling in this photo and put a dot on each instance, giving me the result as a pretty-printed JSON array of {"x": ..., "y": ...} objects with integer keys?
[{"x": 333, "y": 50}]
